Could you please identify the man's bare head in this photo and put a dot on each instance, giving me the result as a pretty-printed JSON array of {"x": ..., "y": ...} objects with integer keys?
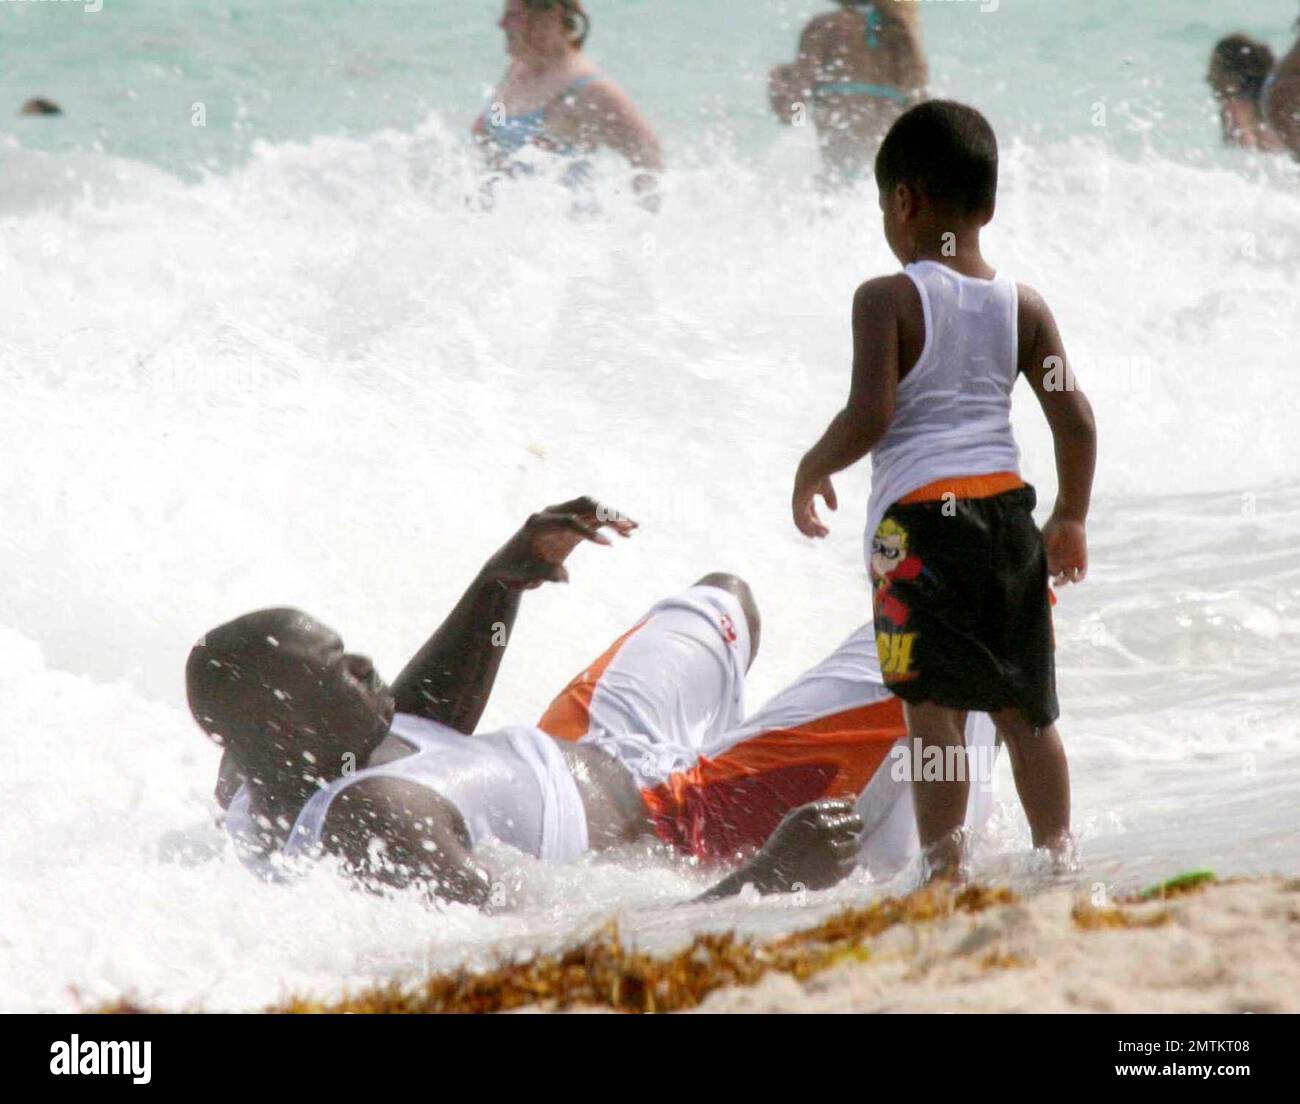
[{"x": 277, "y": 688}]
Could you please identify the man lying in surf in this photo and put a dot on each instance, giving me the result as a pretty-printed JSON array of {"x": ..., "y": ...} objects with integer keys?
[
  {"x": 858, "y": 69},
  {"x": 321, "y": 756},
  {"x": 653, "y": 729}
]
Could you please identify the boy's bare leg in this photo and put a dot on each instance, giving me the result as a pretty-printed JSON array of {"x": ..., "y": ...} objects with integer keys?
[
  {"x": 940, "y": 805},
  {"x": 1042, "y": 780}
]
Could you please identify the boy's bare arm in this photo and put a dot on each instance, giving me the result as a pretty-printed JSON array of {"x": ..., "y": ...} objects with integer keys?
[
  {"x": 1074, "y": 434},
  {"x": 854, "y": 431}
]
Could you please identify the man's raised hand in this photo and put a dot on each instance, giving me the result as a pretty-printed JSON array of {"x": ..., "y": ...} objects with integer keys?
[{"x": 536, "y": 554}]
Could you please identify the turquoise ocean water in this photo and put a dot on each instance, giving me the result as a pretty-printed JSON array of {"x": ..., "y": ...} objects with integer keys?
[{"x": 129, "y": 74}]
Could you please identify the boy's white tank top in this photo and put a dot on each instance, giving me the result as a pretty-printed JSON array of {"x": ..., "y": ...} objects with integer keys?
[
  {"x": 952, "y": 416},
  {"x": 513, "y": 786}
]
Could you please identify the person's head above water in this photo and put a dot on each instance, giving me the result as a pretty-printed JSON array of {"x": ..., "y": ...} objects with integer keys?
[
  {"x": 278, "y": 690},
  {"x": 938, "y": 164},
  {"x": 39, "y": 105},
  {"x": 946, "y": 154},
  {"x": 1239, "y": 67},
  {"x": 544, "y": 27}
]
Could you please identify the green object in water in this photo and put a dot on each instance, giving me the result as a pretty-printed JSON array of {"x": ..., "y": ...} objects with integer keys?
[{"x": 1178, "y": 884}]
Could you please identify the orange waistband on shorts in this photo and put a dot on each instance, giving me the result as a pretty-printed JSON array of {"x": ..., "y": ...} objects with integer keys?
[{"x": 965, "y": 486}]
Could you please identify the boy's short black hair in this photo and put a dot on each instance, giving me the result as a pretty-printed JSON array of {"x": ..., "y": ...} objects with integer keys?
[{"x": 947, "y": 152}]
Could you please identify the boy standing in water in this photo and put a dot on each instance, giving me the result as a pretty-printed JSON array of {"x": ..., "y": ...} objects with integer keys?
[{"x": 959, "y": 569}]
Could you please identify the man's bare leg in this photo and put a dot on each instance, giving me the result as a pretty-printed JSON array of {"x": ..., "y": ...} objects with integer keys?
[
  {"x": 1042, "y": 777},
  {"x": 940, "y": 805}
]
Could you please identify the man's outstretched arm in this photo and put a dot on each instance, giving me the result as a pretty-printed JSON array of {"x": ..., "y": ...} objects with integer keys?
[{"x": 450, "y": 679}]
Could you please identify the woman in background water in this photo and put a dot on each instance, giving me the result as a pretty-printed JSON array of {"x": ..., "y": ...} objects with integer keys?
[
  {"x": 1239, "y": 68},
  {"x": 1281, "y": 99},
  {"x": 859, "y": 68},
  {"x": 553, "y": 98}
]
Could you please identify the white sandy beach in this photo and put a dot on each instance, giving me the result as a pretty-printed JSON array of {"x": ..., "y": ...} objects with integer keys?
[{"x": 1232, "y": 947}]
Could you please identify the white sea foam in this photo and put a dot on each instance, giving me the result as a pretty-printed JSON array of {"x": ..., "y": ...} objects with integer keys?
[{"x": 328, "y": 378}]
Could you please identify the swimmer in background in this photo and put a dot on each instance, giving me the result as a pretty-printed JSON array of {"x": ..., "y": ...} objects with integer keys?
[
  {"x": 554, "y": 98},
  {"x": 39, "y": 105},
  {"x": 1239, "y": 68},
  {"x": 858, "y": 69},
  {"x": 1281, "y": 99}
]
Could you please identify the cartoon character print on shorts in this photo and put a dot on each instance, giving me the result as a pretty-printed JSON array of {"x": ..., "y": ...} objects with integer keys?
[{"x": 892, "y": 562}]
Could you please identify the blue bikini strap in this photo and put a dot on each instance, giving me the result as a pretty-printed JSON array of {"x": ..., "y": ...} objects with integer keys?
[
  {"x": 538, "y": 112},
  {"x": 875, "y": 24}
]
